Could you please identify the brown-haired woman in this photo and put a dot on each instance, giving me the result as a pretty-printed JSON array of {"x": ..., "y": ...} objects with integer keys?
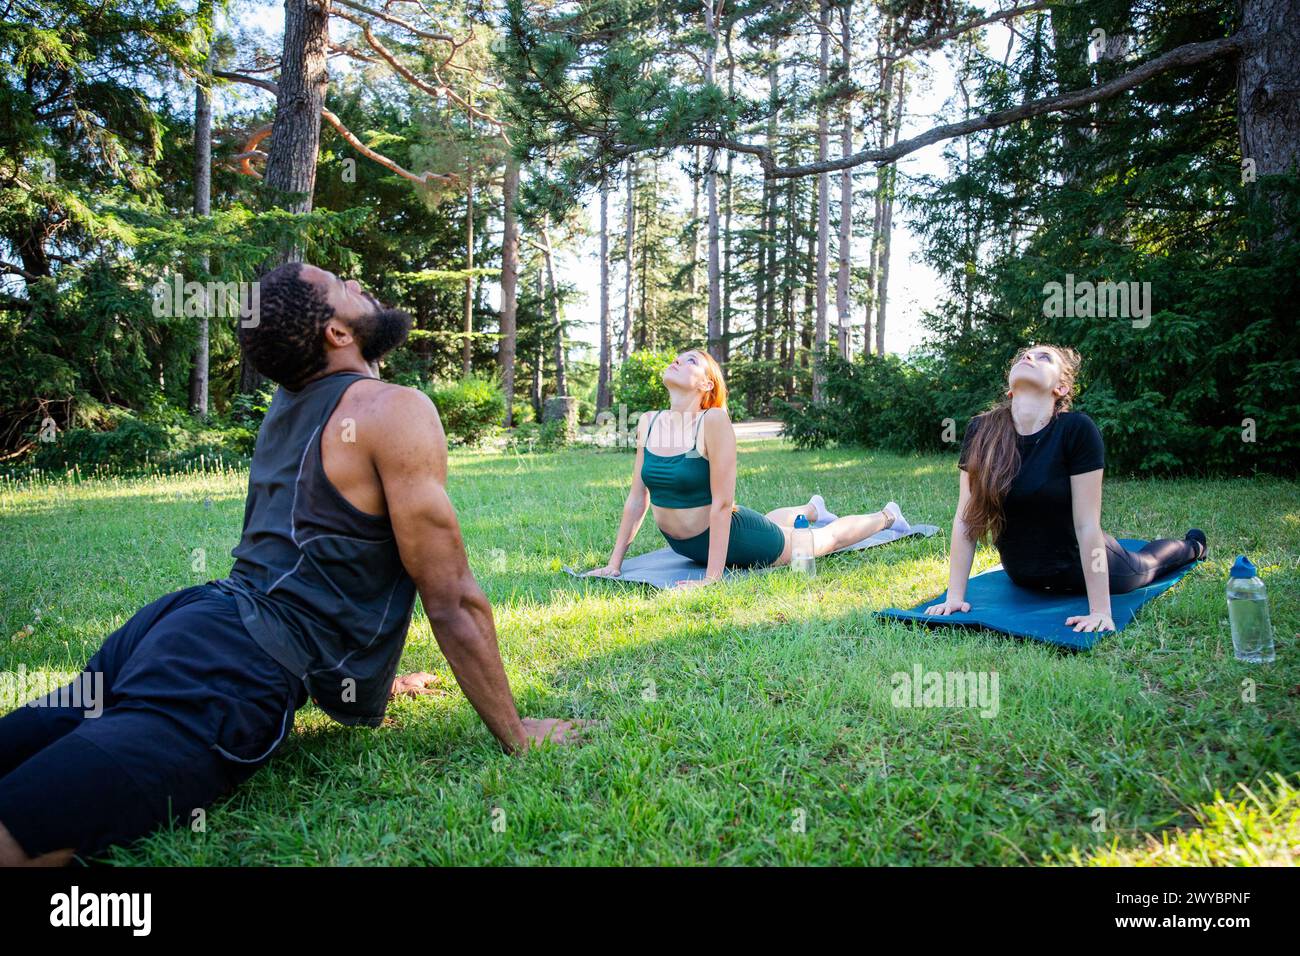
[
  {"x": 1031, "y": 473},
  {"x": 686, "y": 470}
]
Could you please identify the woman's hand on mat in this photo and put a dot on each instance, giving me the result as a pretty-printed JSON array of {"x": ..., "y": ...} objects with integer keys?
[
  {"x": 608, "y": 571},
  {"x": 1091, "y": 622},
  {"x": 949, "y": 607},
  {"x": 553, "y": 730},
  {"x": 694, "y": 583}
]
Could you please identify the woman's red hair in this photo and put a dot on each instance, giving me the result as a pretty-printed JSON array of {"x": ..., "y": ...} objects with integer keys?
[{"x": 717, "y": 396}]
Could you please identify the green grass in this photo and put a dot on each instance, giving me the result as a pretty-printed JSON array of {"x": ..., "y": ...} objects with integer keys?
[
  {"x": 1260, "y": 829},
  {"x": 730, "y": 713}
]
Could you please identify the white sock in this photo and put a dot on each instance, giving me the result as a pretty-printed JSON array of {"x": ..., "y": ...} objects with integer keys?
[
  {"x": 900, "y": 523},
  {"x": 823, "y": 513}
]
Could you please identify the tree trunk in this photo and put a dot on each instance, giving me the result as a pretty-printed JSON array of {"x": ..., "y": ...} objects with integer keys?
[
  {"x": 787, "y": 297},
  {"x": 715, "y": 299},
  {"x": 761, "y": 281},
  {"x": 553, "y": 298},
  {"x": 726, "y": 266},
  {"x": 808, "y": 333},
  {"x": 538, "y": 356},
  {"x": 509, "y": 285},
  {"x": 647, "y": 230},
  {"x": 692, "y": 282},
  {"x": 467, "y": 317},
  {"x": 625, "y": 339},
  {"x": 650, "y": 292},
  {"x": 769, "y": 307},
  {"x": 846, "y": 189},
  {"x": 602, "y": 381},
  {"x": 290, "y": 177},
  {"x": 887, "y": 224},
  {"x": 1268, "y": 94},
  {"x": 823, "y": 200},
  {"x": 199, "y": 371},
  {"x": 726, "y": 226}
]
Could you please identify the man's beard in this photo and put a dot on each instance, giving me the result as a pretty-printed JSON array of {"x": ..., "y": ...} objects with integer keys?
[{"x": 382, "y": 331}]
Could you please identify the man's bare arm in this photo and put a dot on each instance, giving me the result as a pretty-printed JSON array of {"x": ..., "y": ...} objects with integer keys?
[{"x": 409, "y": 450}]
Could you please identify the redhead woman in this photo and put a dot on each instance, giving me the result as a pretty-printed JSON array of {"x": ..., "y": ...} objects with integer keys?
[
  {"x": 1031, "y": 474},
  {"x": 685, "y": 472}
]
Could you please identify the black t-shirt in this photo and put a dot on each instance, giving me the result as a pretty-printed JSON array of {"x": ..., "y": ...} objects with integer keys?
[{"x": 1038, "y": 538}]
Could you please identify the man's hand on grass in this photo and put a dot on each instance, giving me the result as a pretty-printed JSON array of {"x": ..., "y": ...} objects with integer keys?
[
  {"x": 415, "y": 685},
  {"x": 552, "y": 730}
]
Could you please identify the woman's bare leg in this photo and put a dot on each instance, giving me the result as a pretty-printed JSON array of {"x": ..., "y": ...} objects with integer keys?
[
  {"x": 840, "y": 533},
  {"x": 785, "y": 516},
  {"x": 848, "y": 530}
]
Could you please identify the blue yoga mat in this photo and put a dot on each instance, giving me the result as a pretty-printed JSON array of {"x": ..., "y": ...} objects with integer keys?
[
  {"x": 665, "y": 567},
  {"x": 999, "y": 605}
]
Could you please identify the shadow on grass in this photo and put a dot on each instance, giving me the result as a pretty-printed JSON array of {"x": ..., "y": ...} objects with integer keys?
[{"x": 775, "y": 737}]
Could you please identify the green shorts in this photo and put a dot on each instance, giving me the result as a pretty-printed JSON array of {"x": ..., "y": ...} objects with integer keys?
[{"x": 755, "y": 542}]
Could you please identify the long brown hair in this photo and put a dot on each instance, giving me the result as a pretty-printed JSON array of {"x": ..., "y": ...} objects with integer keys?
[{"x": 993, "y": 458}]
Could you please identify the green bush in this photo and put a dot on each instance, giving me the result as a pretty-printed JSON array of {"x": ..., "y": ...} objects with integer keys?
[
  {"x": 123, "y": 442},
  {"x": 548, "y": 436},
  {"x": 638, "y": 382},
  {"x": 880, "y": 402},
  {"x": 557, "y": 433},
  {"x": 471, "y": 409},
  {"x": 524, "y": 413},
  {"x": 247, "y": 409}
]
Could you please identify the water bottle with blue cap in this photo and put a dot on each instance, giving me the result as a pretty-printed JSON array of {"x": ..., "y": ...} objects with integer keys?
[
  {"x": 803, "y": 557},
  {"x": 1252, "y": 633}
]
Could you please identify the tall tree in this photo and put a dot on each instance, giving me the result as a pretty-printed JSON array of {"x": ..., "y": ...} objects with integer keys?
[
  {"x": 711, "y": 13},
  {"x": 843, "y": 317},
  {"x": 728, "y": 201},
  {"x": 509, "y": 284},
  {"x": 823, "y": 196},
  {"x": 1268, "y": 94},
  {"x": 553, "y": 308},
  {"x": 295, "y": 134},
  {"x": 629, "y": 234},
  {"x": 889, "y": 180},
  {"x": 199, "y": 370},
  {"x": 467, "y": 317},
  {"x": 602, "y": 381}
]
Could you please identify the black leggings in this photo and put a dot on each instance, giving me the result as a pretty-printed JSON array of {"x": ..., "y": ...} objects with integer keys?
[{"x": 1128, "y": 570}]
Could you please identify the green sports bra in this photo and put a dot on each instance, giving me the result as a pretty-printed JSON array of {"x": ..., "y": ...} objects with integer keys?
[{"x": 677, "y": 481}]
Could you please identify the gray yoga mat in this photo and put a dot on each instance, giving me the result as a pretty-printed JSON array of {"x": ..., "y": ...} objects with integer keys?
[{"x": 665, "y": 567}]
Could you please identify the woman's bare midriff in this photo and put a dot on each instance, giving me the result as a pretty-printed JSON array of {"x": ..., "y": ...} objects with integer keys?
[{"x": 682, "y": 523}]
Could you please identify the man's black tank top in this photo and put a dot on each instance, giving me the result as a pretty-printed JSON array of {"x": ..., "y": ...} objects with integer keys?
[{"x": 320, "y": 584}]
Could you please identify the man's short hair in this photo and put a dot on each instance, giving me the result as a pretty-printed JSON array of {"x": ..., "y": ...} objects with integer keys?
[{"x": 287, "y": 343}]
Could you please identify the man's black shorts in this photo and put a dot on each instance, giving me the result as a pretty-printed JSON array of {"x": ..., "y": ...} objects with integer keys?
[{"x": 191, "y": 707}]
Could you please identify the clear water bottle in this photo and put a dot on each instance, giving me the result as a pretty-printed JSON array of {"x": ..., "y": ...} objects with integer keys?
[
  {"x": 1252, "y": 634},
  {"x": 803, "y": 558}
]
